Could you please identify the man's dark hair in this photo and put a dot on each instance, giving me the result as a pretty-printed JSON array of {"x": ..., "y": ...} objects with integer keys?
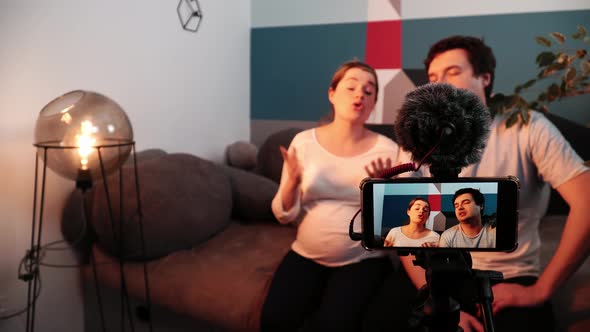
[
  {"x": 476, "y": 194},
  {"x": 479, "y": 54}
]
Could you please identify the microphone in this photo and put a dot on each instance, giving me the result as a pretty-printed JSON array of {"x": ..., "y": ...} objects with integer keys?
[{"x": 443, "y": 126}]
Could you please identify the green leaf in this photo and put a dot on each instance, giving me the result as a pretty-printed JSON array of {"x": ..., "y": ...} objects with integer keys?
[
  {"x": 571, "y": 74},
  {"x": 512, "y": 102},
  {"x": 497, "y": 103},
  {"x": 512, "y": 119},
  {"x": 528, "y": 84},
  {"x": 559, "y": 37},
  {"x": 552, "y": 68},
  {"x": 542, "y": 96},
  {"x": 543, "y": 41},
  {"x": 524, "y": 115},
  {"x": 545, "y": 58},
  {"x": 581, "y": 33},
  {"x": 563, "y": 89},
  {"x": 553, "y": 92},
  {"x": 521, "y": 103}
]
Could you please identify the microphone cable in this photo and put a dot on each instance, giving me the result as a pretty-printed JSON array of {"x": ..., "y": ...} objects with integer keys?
[
  {"x": 396, "y": 170},
  {"x": 410, "y": 167}
]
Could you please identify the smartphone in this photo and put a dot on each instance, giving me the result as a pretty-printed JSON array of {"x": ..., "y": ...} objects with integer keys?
[{"x": 409, "y": 214}]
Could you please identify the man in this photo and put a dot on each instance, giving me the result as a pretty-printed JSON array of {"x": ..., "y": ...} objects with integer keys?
[
  {"x": 469, "y": 204},
  {"x": 539, "y": 156}
]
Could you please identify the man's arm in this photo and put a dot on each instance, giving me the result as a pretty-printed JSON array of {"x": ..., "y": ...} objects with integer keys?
[
  {"x": 573, "y": 249},
  {"x": 416, "y": 273},
  {"x": 574, "y": 245}
]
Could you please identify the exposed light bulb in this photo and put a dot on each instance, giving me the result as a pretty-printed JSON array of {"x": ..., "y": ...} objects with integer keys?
[{"x": 85, "y": 142}]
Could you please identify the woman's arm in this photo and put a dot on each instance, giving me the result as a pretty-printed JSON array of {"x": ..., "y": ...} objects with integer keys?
[{"x": 286, "y": 203}]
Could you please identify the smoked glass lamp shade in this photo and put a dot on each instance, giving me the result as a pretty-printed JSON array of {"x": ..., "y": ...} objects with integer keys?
[{"x": 83, "y": 135}]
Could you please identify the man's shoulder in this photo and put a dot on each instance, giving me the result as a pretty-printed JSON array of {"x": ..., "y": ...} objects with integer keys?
[
  {"x": 489, "y": 228},
  {"x": 537, "y": 121}
]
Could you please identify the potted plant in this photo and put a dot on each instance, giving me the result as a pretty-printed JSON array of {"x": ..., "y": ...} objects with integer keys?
[{"x": 564, "y": 70}]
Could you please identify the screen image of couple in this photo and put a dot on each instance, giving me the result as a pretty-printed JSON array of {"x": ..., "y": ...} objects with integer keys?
[{"x": 454, "y": 215}]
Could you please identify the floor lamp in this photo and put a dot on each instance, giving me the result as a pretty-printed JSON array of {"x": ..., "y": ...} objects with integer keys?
[{"x": 83, "y": 136}]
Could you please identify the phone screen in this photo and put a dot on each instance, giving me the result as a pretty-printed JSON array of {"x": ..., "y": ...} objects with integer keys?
[{"x": 476, "y": 214}]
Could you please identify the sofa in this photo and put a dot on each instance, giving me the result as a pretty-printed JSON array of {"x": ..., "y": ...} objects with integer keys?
[{"x": 212, "y": 243}]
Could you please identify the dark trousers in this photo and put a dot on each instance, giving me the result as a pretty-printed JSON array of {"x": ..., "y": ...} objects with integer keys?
[
  {"x": 307, "y": 296},
  {"x": 393, "y": 307}
]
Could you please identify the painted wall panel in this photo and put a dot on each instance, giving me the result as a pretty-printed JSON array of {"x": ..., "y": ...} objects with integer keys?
[
  {"x": 283, "y": 73},
  {"x": 292, "y": 68}
]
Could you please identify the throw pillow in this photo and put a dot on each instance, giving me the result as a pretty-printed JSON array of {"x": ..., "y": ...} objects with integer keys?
[
  {"x": 184, "y": 201},
  {"x": 241, "y": 155},
  {"x": 270, "y": 161},
  {"x": 252, "y": 195}
]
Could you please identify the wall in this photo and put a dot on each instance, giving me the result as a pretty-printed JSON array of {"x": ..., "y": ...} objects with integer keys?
[
  {"x": 183, "y": 91},
  {"x": 295, "y": 49}
]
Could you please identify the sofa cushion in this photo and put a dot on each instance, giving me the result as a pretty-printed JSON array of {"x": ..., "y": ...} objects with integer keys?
[
  {"x": 270, "y": 161},
  {"x": 242, "y": 155},
  {"x": 252, "y": 195},
  {"x": 184, "y": 201}
]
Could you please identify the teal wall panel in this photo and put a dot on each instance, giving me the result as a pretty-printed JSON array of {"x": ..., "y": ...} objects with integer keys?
[{"x": 292, "y": 68}]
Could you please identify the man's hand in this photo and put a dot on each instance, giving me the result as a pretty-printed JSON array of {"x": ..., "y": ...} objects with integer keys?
[
  {"x": 469, "y": 323},
  {"x": 515, "y": 295},
  {"x": 377, "y": 166}
]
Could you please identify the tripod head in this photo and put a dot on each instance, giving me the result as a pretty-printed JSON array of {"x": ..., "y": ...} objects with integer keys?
[{"x": 445, "y": 273}]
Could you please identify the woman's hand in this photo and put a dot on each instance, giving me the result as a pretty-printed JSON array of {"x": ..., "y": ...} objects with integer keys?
[
  {"x": 377, "y": 166},
  {"x": 292, "y": 165}
]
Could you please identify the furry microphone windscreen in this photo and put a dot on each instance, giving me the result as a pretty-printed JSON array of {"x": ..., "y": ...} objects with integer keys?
[{"x": 440, "y": 112}]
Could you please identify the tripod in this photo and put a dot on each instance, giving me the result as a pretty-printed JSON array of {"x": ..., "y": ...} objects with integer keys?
[{"x": 446, "y": 272}]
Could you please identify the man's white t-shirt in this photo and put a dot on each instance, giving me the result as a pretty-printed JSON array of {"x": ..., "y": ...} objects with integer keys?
[
  {"x": 539, "y": 156},
  {"x": 454, "y": 237}
]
